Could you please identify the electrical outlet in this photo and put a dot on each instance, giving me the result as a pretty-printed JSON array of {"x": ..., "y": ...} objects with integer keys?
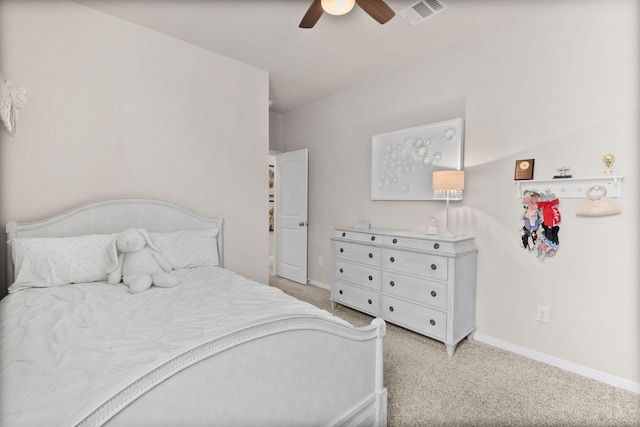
[
  {"x": 320, "y": 261},
  {"x": 542, "y": 315}
]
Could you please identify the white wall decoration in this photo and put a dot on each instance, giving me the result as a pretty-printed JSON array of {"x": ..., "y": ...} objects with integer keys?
[
  {"x": 12, "y": 99},
  {"x": 402, "y": 162}
]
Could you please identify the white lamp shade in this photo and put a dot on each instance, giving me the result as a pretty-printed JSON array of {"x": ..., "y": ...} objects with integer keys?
[
  {"x": 337, "y": 7},
  {"x": 448, "y": 180}
]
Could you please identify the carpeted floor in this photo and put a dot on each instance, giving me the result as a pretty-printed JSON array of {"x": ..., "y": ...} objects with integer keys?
[{"x": 480, "y": 385}]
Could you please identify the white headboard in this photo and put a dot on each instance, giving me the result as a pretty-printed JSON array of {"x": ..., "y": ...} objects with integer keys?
[{"x": 113, "y": 216}]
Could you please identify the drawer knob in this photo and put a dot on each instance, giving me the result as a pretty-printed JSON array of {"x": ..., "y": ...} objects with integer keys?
[
  {"x": 433, "y": 266},
  {"x": 370, "y": 302},
  {"x": 395, "y": 241},
  {"x": 433, "y": 322},
  {"x": 341, "y": 292},
  {"x": 370, "y": 277},
  {"x": 436, "y": 246},
  {"x": 344, "y": 234},
  {"x": 392, "y": 259},
  {"x": 391, "y": 308},
  {"x": 373, "y": 238},
  {"x": 341, "y": 271},
  {"x": 370, "y": 255},
  {"x": 392, "y": 283},
  {"x": 433, "y": 293},
  {"x": 341, "y": 249}
]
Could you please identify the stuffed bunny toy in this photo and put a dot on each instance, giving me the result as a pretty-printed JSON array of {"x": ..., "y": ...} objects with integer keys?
[{"x": 138, "y": 263}]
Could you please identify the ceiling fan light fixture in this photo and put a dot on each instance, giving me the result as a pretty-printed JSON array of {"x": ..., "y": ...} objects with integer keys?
[{"x": 338, "y": 7}]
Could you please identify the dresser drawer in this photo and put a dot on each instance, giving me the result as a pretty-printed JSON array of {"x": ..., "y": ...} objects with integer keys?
[
  {"x": 421, "y": 319},
  {"x": 356, "y": 273},
  {"x": 420, "y": 244},
  {"x": 431, "y": 266},
  {"x": 356, "y": 297},
  {"x": 359, "y": 236},
  {"x": 355, "y": 252},
  {"x": 421, "y": 291}
]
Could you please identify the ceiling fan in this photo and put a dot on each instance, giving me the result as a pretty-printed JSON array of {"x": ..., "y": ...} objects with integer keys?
[{"x": 377, "y": 9}]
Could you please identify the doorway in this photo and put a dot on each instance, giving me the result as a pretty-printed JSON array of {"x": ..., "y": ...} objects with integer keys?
[{"x": 288, "y": 240}]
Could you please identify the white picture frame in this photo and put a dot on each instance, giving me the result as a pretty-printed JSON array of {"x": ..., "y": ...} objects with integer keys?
[{"x": 403, "y": 161}]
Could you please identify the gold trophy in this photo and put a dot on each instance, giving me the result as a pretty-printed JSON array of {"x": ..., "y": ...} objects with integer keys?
[{"x": 608, "y": 160}]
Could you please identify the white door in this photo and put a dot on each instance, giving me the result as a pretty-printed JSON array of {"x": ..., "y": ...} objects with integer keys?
[{"x": 291, "y": 193}]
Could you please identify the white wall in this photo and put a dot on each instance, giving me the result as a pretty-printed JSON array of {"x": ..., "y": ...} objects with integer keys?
[
  {"x": 560, "y": 87},
  {"x": 116, "y": 110},
  {"x": 276, "y": 131}
]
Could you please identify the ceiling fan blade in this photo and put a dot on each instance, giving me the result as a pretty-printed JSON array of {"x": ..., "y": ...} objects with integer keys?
[
  {"x": 314, "y": 13},
  {"x": 377, "y": 9}
]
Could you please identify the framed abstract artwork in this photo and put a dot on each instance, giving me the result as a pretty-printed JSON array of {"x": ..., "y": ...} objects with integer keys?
[{"x": 403, "y": 162}]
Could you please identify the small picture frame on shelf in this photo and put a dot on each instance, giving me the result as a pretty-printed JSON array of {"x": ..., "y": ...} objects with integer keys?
[{"x": 524, "y": 169}]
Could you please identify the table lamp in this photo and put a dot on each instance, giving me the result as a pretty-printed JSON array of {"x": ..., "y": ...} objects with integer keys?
[{"x": 448, "y": 185}]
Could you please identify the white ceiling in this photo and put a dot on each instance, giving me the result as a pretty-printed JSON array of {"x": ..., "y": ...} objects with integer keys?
[{"x": 306, "y": 65}]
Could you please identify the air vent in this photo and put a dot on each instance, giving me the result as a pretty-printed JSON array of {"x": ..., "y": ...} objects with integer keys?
[{"x": 422, "y": 10}]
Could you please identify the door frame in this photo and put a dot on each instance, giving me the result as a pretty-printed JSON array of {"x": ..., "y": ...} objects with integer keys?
[{"x": 291, "y": 228}]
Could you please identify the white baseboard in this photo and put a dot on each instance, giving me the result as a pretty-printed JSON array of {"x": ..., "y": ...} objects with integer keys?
[
  {"x": 560, "y": 363},
  {"x": 544, "y": 358},
  {"x": 319, "y": 284}
]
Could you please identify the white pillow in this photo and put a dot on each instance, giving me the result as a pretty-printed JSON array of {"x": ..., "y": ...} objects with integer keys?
[
  {"x": 41, "y": 262},
  {"x": 188, "y": 249}
]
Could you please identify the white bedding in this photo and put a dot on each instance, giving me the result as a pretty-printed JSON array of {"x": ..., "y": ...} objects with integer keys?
[{"x": 66, "y": 350}]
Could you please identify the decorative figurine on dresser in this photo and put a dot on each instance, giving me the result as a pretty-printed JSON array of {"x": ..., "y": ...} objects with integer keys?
[{"x": 426, "y": 283}]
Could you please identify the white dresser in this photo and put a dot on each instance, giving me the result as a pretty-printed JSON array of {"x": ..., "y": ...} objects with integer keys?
[{"x": 420, "y": 282}]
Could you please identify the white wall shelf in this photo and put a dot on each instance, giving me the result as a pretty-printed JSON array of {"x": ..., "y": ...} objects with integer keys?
[{"x": 570, "y": 187}]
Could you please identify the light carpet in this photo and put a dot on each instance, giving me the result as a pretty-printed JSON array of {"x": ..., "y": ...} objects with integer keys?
[{"x": 480, "y": 385}]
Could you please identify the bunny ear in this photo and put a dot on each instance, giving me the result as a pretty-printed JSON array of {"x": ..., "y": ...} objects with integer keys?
[
  {"x": 147, "y": 238},
  {"x": 113, "y": 256}
]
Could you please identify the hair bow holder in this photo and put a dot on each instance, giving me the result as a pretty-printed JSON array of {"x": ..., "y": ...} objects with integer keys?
[
  {"x": 12, "y": 99},
  {"x": 539, "y": 227}
]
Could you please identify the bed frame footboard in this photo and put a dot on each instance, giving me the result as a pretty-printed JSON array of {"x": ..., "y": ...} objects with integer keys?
[{"x": 287, "y": 371}]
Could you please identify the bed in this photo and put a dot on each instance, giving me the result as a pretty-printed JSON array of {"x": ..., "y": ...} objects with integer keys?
[{"x": 218, "y": 349}]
